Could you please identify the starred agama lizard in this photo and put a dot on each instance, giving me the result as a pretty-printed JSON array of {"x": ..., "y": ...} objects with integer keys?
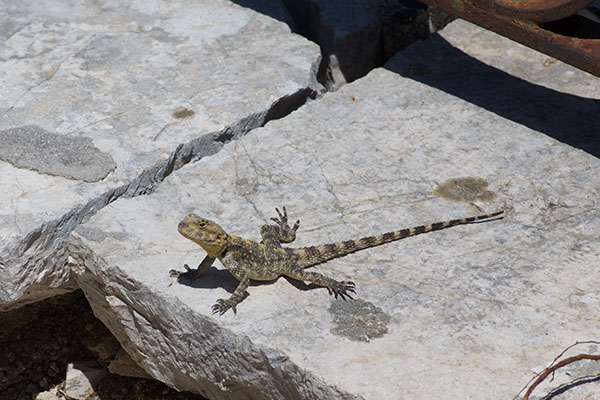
[{"x": 267, "y": 260}]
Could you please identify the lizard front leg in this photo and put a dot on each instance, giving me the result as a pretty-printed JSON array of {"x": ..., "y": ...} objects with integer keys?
[
  {"x": 342, "y": 289},
  {"x": 192, "y": 274},
  {"x": 222, "y": 305}
]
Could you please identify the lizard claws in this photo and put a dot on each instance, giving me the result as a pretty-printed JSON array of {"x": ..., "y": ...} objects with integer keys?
[
  {"x": 286, "y": 233},
  {"x": 342, "y": 289},
  {"x": 181, "y": 275},
  {"x": 282, "y": 221},
  {"x": 222, "y": 305}
]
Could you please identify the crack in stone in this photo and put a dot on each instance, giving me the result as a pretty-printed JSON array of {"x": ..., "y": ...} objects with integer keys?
[
  {"x": 329, "y": 188},
  {"x": 45, "y": 246},
  {"x": 108, "y": 117}
]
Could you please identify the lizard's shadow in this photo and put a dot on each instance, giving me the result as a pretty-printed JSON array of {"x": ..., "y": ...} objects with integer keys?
[
  {"x": 214, "y": 278},
  {"x": 301, "y": 285}
]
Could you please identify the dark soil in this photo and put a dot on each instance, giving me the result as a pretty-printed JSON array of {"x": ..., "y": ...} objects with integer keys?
[{"x": 37, "y": 342}]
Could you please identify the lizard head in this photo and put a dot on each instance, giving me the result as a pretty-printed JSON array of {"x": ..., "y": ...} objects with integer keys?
[{"x": 204, "y": 232}]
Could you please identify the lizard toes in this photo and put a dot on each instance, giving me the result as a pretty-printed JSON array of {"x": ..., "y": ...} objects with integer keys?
[
  {"x": 344, "y": 294},
  {"x": 282, "y": 220},
  {"x": 342, "y": 289},
  {"x": 348, "y": 285},
  {"x": 180, "y": 275},
  {"x": 284, "y": 215},
  {"x": 221, "y": 307},
  {"x": 217, "y": 308},
  {"x": 276, "y": 220}
]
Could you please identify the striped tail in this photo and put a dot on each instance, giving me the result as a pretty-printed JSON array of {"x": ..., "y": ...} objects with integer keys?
[{"x": 309, "y": 256}]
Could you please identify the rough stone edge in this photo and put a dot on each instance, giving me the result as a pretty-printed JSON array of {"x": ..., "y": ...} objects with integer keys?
[
  {"x": 41, "y": 253},
  {"x": 218, "y": 364}
]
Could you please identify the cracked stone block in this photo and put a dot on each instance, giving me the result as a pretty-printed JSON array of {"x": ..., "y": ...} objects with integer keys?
[
  {"x": 467, "y": 312},
  {"x": 104, "y": 99}
]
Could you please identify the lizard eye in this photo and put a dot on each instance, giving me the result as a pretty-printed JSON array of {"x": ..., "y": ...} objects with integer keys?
[{"x": 202, "y": 224}]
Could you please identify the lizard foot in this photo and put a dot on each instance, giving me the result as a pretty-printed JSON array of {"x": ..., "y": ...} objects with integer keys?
[
  {"x": 287, "y": 233},
  {"x": 188, "y": 274},
  {"x": 343, "y": 289},
  {"x": 222, "y": 305}
]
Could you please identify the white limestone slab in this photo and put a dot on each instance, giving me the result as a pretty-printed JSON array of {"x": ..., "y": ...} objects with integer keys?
[
  {"x": 470, "y": 312},
  {"x": 103, "y": 99}
]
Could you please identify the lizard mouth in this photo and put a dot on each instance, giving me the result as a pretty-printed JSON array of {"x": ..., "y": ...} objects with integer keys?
[{"x": 183, "y": 228}]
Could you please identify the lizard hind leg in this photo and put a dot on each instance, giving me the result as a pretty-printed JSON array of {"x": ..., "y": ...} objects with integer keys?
[
  {"x": 282, "y": 233},
  {"x": 344, "y": 289}
]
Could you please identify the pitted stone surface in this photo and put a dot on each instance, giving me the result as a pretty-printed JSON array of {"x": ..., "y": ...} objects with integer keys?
[
  {"x": 71, "y": 157},
  {"x": 358, "y": 320}
]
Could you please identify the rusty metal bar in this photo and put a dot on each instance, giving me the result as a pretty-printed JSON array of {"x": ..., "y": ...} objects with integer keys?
[
  {"x": 549, "y": 26},
  {"x": 539, "y": 10}
]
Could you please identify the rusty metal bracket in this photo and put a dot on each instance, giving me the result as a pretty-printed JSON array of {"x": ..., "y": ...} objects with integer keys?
[{"x": 550, "y": 26}]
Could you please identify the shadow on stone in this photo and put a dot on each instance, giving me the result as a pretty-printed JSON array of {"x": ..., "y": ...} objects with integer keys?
[
  {"x": 568, "y": 118},
  {"x": 221, "y": 278},
  {"x": 300, "y": 285},
  {"x": 213, "y": 278}
]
